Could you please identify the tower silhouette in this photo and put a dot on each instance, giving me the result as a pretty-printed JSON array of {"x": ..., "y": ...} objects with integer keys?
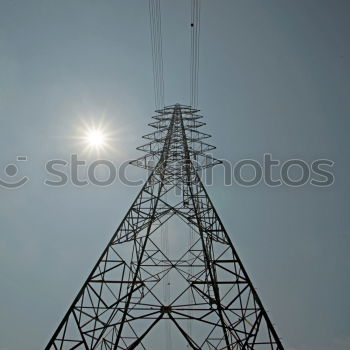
[{"x": 191, "y": 279}]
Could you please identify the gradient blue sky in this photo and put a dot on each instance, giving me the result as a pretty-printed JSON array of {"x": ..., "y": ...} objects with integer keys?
[{"x": 274, "y": 77}]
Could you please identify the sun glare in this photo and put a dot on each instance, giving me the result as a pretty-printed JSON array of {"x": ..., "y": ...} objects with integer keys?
[
  {"x": 95, "y": 135},
  {"x": 95, "y": 138}
]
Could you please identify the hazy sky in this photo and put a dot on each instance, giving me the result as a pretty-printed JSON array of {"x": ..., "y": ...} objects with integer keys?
[{"x": 274, "y": 77}]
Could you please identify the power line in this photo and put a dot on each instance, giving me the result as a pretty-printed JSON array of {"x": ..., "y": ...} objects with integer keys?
[
  {"x": 157, "y": 51},
  {"x": 194, "y": 64},
  {"x": 158, "y": 80}
]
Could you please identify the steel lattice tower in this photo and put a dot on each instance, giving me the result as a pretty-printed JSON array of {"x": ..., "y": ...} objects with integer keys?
[{"x": 211, "y": 302}]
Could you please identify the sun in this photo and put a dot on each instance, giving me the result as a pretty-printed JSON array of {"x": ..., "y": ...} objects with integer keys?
[
  {"x": 95, "y": 138},
  {"x": 95, "y": 135}
]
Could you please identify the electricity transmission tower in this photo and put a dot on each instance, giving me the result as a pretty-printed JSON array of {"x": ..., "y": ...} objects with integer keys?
[{"x": 208, "y": 300}]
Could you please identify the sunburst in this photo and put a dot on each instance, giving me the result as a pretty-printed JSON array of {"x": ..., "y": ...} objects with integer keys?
[{"x": 95, "y": 135}]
